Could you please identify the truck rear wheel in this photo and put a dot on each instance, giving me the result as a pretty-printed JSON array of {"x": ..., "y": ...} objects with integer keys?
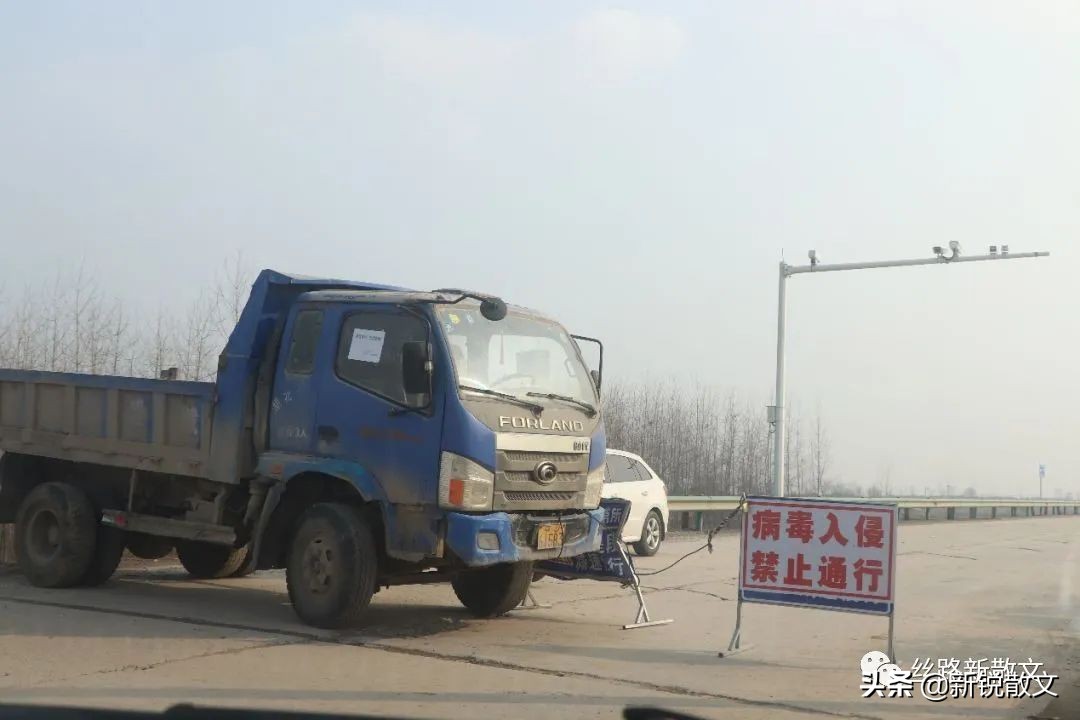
[
  {"x": 241, "y": 571},
  {"x": 108, "y": 550},
  {"x": 332, "y": 566},
  {"x": 149, "y": 547},
  {"x": 208, "y": 560},
  {"x": 55, "y": 535},
  {"x": 493, "y": 591}
]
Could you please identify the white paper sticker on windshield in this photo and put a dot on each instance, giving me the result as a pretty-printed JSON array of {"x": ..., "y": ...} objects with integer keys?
[{"x": 366, "y": 345}]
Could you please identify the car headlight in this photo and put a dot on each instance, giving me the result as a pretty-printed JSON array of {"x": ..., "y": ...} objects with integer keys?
[
  {"x": 464, "y": 484},
  {"x": 594, "y": 485}
]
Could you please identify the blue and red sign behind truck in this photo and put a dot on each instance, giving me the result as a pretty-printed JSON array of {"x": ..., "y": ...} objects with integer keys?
[{"x": 359, "y": 436}]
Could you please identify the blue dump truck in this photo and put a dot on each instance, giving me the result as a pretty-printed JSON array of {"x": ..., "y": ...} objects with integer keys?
[{"x": 359, "y": 436}]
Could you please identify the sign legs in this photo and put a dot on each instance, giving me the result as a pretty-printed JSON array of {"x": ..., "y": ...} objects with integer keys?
[
  {"x": 643, "y": 619},
  {"x": 892, "y": 652},
  {"x": 735, "y": 646},
  {"x": 530, "y": 603}
]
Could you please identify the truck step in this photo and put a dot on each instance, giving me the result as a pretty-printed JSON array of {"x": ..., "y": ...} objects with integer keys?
[{"x": 168, "y": 527}]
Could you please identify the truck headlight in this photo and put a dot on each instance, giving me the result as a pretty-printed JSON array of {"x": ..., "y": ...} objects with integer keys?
[
  {"x": 594, "y": 484},
  {"x": 463, "y": 484}
]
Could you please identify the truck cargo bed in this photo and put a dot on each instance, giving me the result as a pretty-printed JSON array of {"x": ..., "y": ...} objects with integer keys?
[{"x": 156, "y": 425}]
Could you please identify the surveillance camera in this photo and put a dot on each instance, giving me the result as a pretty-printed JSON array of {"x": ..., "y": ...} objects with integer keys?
[
  {"x": 938, "y": 251},
  {"x": 954, "y": 245}
]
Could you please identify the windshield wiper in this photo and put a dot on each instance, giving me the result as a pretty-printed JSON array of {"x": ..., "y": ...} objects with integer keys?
[
  {"x": 566, "y": 398},
  {"x": 535, "y": 407}
]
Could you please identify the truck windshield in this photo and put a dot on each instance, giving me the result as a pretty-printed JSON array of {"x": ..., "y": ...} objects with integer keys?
[{"x": 521, "y": 355}]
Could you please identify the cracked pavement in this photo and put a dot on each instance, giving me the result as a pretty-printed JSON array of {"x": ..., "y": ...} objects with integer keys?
[{"x": 151, "y": 638}]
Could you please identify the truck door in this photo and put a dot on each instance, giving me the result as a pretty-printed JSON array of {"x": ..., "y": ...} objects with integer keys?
[
  {"x": 293, "y": 403},
  {"x": 364, "y": 414}
]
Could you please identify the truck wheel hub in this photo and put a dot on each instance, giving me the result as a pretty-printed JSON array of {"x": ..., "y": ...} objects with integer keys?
[
  {"x": 44, "y": 536},
  {"x": 319, "y": 565}
]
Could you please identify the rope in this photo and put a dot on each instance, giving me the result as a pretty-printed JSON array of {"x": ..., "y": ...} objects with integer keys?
[{"x": 708, "y": 541}]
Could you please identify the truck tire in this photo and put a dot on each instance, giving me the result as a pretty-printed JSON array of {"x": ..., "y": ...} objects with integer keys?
[
  {"x": 652, "y": 534},
  {"x": 332, "y": 566},
  {"x": 108, "y": 550},
  {"x": 149, "y": 547},
  {"x": 55, "y": 535},
  {"x": 493, "y": 591},
  {"x": 207, "y": 560},
  {"x": 241, "y": 571}
]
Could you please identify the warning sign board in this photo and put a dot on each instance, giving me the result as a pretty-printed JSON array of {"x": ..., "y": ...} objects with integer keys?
[
  {"x": 819, "y": 553},
  {"x": 609, "y": 563}
]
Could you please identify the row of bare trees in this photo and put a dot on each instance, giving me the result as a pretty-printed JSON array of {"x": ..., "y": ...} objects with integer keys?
[
  {"x": 73, "y": 324},
  {"x": 703, "y": 441}
]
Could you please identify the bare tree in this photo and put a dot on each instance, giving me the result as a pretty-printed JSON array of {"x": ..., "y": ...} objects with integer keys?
[
  {"x": 886, "y": 478},
  {"x": 197, "y": 344},
  {"x": 819, "y": 454},
  {"x": 158, "y": 355},
  {"x": 701, "y": 441},
  {"x": 231, "y": 288}
]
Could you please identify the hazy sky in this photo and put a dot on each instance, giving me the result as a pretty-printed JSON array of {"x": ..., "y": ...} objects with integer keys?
[{"x": 636, "y": 170}]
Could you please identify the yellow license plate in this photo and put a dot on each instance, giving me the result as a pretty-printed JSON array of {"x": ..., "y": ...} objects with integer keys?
[{"x": 550, "y": 536}]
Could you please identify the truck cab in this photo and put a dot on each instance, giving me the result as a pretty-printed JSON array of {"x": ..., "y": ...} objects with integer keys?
[{"x": 470, "y": 431}]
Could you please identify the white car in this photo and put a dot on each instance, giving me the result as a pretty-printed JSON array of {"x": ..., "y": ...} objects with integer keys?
[{"x": 630, "y": 478}]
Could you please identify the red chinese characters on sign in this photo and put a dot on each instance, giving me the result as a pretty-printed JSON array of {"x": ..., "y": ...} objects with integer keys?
[
  {"x": 800, "y": 525},
  {"x": 867, "y": 568},
  {"x": 796, "y": 571},
  {"x": 833, "y": 533},
  {"x": 807, "y": 548},
  {"x": 832, "y": 573},
  {"x": 870, "y": 531},
  {"x": 767, "y": 524},
  {"x": 765, "y": 566}
]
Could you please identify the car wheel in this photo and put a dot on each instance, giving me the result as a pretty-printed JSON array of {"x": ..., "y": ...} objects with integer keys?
[{"x": 652, "y": 534}]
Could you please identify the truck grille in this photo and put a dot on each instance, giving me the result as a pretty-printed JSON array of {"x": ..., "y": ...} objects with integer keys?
[
  {"x": 517, "y": 496},
  {"x": 517, "y": 489},
  {"x": 521, "y": 456},
  {"x": 527, "y": 477}
]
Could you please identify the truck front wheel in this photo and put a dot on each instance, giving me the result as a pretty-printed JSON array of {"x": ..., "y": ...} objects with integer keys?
[
  {"x": 55, "y": 535},
  {"x": 493, "y": 591},
  {"x": 332, "y": 566},
  {"x": 207, "y": 560}
]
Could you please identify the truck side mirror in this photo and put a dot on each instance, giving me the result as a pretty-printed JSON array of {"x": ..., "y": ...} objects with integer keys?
[
  {"x": 598, "y": 373},
  {"x": 415, "y": 368}
]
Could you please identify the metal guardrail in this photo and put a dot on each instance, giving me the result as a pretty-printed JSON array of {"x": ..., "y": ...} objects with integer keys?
[
  {"x": 679, "y": 503},
  {"x": 694, "y": 507}
]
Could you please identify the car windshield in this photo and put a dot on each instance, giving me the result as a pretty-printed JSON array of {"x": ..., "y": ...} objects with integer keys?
[{"x": 518, "y": 355}]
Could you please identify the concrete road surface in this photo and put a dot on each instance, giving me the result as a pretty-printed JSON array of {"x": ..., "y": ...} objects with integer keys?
[{"x": 151, "y": 638}]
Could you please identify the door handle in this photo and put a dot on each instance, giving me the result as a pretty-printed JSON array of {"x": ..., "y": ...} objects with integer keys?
[{"x": 328, "y": 433}]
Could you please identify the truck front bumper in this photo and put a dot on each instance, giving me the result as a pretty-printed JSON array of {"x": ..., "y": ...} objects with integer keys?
[{"x": 500, "y": 537}]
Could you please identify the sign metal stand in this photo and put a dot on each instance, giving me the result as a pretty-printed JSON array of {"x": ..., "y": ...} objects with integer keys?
[
  {"x": 611, "y": 563},
  {"x": 530, "y": 603},
  {"x": 643, "y": 619}
]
